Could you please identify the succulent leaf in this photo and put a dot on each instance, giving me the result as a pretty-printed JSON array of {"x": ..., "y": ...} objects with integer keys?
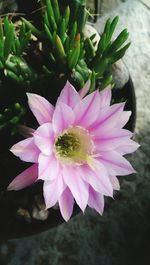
[
  {"x": 56, "y": 10},
  {"x": 60, "y": 49}
]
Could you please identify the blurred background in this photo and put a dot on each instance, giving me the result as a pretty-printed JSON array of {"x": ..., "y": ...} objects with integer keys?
[{"x": 122, "y": 235}]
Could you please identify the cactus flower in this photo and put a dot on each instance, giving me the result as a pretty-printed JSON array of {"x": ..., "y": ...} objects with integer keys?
[{"x": 77, "y": 150}]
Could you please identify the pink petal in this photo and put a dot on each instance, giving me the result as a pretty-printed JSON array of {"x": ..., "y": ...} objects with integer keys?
[
  {"x": 112, "y": 139},
  {"x": 127, "y": 148},
  {"x": 69, "y": 96},
  {"x": 77, "y": 186},
  {"x": 124, "y": 117},
  {"x": 97, "y": 177},
  {"x": 44, "y": 138},
  {"x": 40, "y": 107},
  {"x": 25, "y": 131},
  {"x": 48, "y": 167},
  {"x": 96, "y": 201},
  {"x": 87, "y": 110},
  {"x": 113, "y": 134},
  {"x": 108, "y": 119},
  {"x": 63, "y": 118},
  {"x": 50, "y": 196},
  {"x": 115, "y": 163},
  {"x": 105, "y": 96},
  {"x": 66, "y": 202},
  {"x": 53, "y": 190},
  {"x": 83, "y": 91},
  {"x": 114, "y": 182},
  {"x": 26, "y": 150},
  {"x": 25, "y": 179}
]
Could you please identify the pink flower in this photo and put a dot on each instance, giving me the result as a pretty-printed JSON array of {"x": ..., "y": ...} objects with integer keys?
[{"x": 77, "y": 150}]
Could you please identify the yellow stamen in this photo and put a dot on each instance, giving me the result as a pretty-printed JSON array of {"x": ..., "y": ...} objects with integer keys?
[{"x": 74, "y": 145}]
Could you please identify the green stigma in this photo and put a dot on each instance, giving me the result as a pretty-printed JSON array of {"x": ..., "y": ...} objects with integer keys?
[
  {"x": 67, "y": 145},
  {"x": 74, "y": 145}
]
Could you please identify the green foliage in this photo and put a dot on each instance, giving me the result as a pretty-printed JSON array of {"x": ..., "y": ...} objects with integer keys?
[
  {"x": 79, "y": 13},
  {"x": 13, "y": 43},
  {"x": 65, "y": 43},
  {"x": 63, "y": 49},
  {"x": 63, "y": 38},
  {"x": 12, "y": 116},
  {"x": 62, "y": 34},
  {"x": 108, "y": 51}
]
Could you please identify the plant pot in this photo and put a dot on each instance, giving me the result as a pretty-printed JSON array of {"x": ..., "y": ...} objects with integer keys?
[
  {"x": 22, "y": 212},
  {"x": 17, "y": 208}
]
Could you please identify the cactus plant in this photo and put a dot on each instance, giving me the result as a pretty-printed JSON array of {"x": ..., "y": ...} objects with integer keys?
[{"x": 59, "y": 49}]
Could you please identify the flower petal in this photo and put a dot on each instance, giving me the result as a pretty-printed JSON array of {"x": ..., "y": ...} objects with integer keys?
[
  {"x": 25, "y": 131},
  {"x": 86, "y": 111},
  {"x": 77, "y": 186},
  {"x": 124, "y": 117},
  {"x": 97, "y": 176},
  {"x": 66, "y": 202},
  {"x": 96, "y": 200},
  {"x": 50, "y": 196},
  {"x": 115, "y": 163},
  {"x": 40, "y": 108},
  {"x": 128, "y": 147},
  {"x": 63, "y": 117},
  {"x": 44, "y": 138},
  {"x": 105, "y": 96},
  {"x": 83, "y": 91},
  {"x": 113, "y": 134},
  {"x": 25, "y": 179},
  {"x": 53, "y": 190},
  {"x": 112, "y": 139},
  {"x": 26, "y": 150},
  {"x": 114, "y": 182},
  {"x": 108, "y": 119},
  {"x": 69, "y": 96},
  {"x": 48, "y": 167}
]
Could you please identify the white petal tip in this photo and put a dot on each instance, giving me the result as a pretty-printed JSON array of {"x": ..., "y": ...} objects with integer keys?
[
  {"x": 83, "y": 209},
  {"x": 66, "y": 219},
  {"x": 10, "y": 188},
  {"x": 29, "y": 94},
  {"x": 11, "y": 150},
  {"x": 134, "y": 172},
  {"x": 100, "y": 212}
]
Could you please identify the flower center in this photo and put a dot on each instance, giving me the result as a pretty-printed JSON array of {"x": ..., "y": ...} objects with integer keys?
[{"x": 74, "y": 145}]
